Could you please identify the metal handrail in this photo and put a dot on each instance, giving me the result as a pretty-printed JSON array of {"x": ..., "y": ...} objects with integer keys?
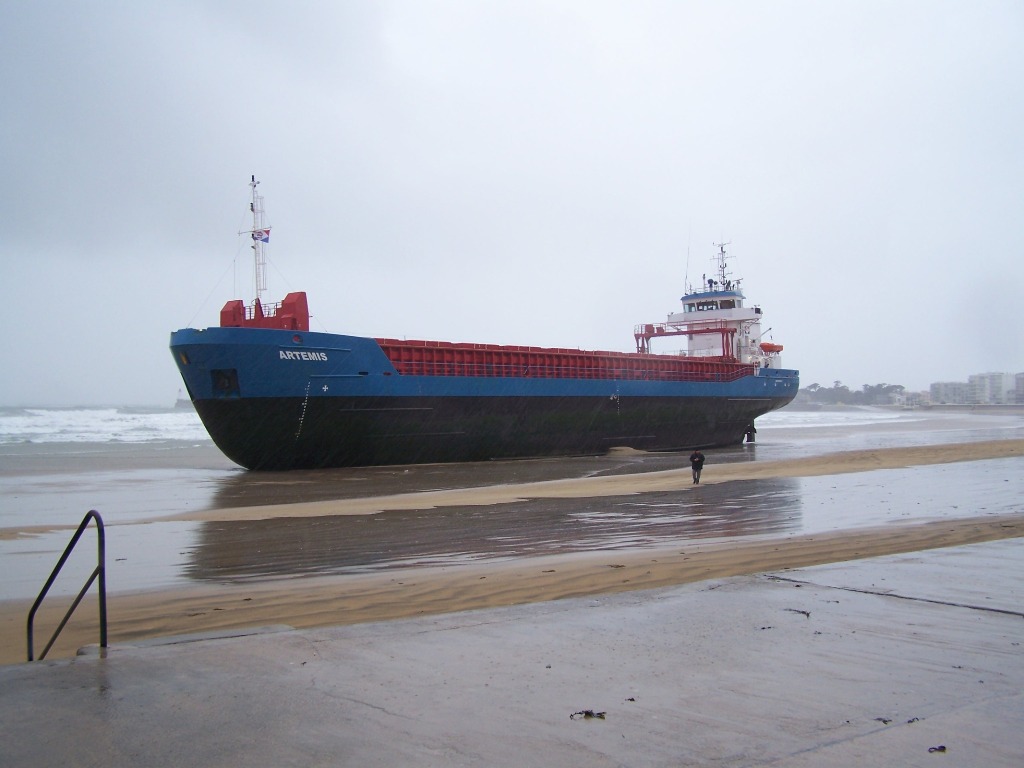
[{"x": 99, "y": 571}]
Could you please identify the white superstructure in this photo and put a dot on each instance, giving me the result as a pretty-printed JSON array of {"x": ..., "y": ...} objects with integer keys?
[{"x": 717, "y": 323}]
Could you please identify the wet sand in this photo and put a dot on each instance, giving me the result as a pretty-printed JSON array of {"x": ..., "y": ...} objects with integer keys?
[
  {"x": 619, "y": 485},
  {"x": 324, "y": 601}
]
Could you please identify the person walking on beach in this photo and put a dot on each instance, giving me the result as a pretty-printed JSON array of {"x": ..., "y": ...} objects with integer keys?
[{"x": 697, "y": 463}]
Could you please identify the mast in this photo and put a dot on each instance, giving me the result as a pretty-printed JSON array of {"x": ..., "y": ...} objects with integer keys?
[
  {"x": 260, "y": 233},
  {"x": 292, "y": 312},
  {"x": 721, "y": 258}
]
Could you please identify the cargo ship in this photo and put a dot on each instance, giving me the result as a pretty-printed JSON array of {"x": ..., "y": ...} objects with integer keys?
[{"x": 275, "y": 396}]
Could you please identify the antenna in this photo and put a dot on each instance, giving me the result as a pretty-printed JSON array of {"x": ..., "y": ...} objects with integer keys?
[
  {"x": 721, "y": 258},
  {"x": 686, "y": 276}
]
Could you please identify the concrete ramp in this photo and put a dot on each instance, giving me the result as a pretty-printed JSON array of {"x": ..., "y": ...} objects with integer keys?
[{"x": 906, "y": 660}]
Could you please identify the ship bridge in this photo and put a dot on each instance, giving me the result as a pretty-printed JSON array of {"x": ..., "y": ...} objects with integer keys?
[{"x": 716, "y": 323}]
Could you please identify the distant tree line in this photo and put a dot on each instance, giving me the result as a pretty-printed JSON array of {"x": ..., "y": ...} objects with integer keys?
[{"x": 840, "y": 394}]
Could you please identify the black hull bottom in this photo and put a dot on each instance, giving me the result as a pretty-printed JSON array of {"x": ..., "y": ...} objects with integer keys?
[{"x": 278, "y": 433}]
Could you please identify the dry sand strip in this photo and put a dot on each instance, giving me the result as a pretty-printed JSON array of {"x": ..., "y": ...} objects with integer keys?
[
  {"x": 328, "y": 601},
  {"x": 619, "y": 485}
]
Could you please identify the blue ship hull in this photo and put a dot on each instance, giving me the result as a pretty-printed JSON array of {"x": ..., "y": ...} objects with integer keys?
[{"x": 276, "y": 399}]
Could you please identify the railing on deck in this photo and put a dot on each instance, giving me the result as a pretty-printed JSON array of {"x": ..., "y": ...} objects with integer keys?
[
  {"x": 418, "y": 358},
  {"x": 264, "y": 310},
  {"x": 99, "y": 572}
]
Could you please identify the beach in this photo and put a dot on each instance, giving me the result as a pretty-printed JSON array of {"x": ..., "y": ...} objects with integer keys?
[{"x": 196, "y": 545}]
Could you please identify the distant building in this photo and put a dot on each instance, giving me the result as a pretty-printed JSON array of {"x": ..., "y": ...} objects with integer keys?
[
  {"x": 905, "y": 399},
  {"x": 992, "y": 388},
  {"x": 980, "y": 389},
  {"x": 914, "y": 399},
  {"x": 950, "y": 393}
]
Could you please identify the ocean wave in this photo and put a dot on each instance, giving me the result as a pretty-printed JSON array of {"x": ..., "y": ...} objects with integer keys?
[
  {"x": 98, "y": 425},
  {"x": 847, "y": 417}
]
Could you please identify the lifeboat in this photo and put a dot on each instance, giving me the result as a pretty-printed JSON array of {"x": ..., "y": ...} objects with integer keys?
[{"x": 769, "y": 348}]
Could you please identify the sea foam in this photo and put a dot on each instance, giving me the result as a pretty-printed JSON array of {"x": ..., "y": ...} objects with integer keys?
[{"x": 99, "y": 425}]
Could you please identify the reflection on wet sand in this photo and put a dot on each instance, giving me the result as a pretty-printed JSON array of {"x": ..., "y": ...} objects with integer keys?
[
  {"x": 247, "y": 489},
  {"x": 241, "y": 549}
]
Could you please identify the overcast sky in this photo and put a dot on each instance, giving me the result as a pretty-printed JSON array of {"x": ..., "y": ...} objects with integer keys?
[{"x": 543, "y": 173}]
